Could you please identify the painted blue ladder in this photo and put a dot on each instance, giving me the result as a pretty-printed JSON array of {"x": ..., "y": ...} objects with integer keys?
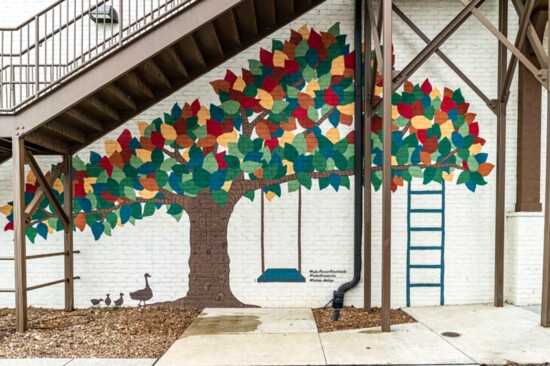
[{"x": 414, "y": 248}]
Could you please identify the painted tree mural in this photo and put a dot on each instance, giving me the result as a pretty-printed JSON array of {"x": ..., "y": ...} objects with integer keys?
[{"x": 279, "y": 121}]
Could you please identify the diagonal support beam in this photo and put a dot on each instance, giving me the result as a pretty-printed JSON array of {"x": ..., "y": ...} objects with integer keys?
[
  {"x": 520, "y": 38},
  {"x": 47, "y": 189},
  {"x": 533, "y": 37},
  {"x": 375, "y": 36},
  {"x": 33, "y": 206},
  {"x": 443, "y": 57},
  {"x": 506, "y": 42},
  {"x": 433, "y": 46}
]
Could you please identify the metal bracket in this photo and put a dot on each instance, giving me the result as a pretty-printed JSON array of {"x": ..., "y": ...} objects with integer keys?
[{"x": 493, "y": 105}]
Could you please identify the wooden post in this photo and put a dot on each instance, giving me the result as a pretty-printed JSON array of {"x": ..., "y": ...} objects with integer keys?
[
  {"x": 68, "y": 238},
  {"x": 386, "y": 168},
  {"x": 500, "y": 217},
  {"x": 545, "y": 307},
  {"x": 367, "y": 216},
  {"x": 19, "y": 226}
]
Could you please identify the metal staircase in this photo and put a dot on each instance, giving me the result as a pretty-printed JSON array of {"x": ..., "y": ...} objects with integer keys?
[
  {"x": 419, "y": 250},
  {"x": 66, "y": 81}
]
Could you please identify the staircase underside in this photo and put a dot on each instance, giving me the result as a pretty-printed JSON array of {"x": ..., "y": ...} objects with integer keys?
[{"x": 132, "y": 79}]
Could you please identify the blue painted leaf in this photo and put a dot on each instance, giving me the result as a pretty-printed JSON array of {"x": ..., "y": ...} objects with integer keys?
[
  {"x": 334, "y": 181},
  {"x": 42, "y": 230},
  {"x": 97, "y": 229},
  {"x": 457, "y": 139},
  {"x": 125, "y": 213}
]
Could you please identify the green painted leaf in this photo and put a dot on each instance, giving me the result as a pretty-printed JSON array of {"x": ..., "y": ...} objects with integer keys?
[
  {"x": 290, "y": 152},
  {"x": 250, "y": 195},
  {"x": 250, "y": 167},
  {"x": 245, "y": 145},
  {"x": 463, "y": 177},
  {"x": 278, "y": 106},
  {"x": 312, "y": 113},
  {"x": 293, "y": 186},
  {"x": 231, "y": 107},
  {"x": 304, "y": 179},
  {"x": 220, "y": 196},
  {"x": 429, "y": 174},
  {"x": 300, "y": 144}
]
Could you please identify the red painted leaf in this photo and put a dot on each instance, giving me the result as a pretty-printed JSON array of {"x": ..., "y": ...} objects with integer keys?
[
  {"x": 214, "y": 128},
  {"x": 315, "y": 40},
  {"x": 124, "y": 138},
  {"x": 266, "y": 57},
  {"x": 30, "y": 188},
  {"x": 230, "y": 76},
  {"x": 268, "y": 84},
  {"x": 405, "y": 110},
  {"x": 474, "y": 129},
  {"x": 272, "y": 143},
  {"x": 426, "y": 87},
  {"x": 195, "y": 107},
  {"x": 220, "y": 160},
  {"x": 448, "y": 104},
  {"x": 430, "y": 146},
  {"x": 157, "y": 140},
  {"x": 291, "y": 66},
  {"x": 349, "y": 60},
  {"x": 9, "y": 226},
  {"x": 106, "y": 164},
  {"x": 249, "y": 102},
  {"x": 331, "y": 98}
]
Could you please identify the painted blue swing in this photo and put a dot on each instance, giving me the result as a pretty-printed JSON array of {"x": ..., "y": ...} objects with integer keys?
[{"x": 283, "y": 274}]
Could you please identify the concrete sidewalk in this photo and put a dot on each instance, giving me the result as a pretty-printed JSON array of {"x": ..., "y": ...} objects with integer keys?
[
  {"x": 289, "y": 337},
  {"x": 78, "y": 362}
]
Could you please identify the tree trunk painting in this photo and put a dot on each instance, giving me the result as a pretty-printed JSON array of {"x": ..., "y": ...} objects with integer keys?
[{"x": 285, "y": 119}]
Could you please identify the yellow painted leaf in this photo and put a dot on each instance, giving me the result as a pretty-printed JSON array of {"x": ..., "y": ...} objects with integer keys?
[
  {"x": 112, "y": 146},
  {"x": 333, "y": 135},
  {"x": 147, "y": 194},
  {"x": 185, "y": 154},
  {"x": 304, "y": 31},
  {"x": 347, "y": 109},
  {"x": 475, "y": 149},
  {"x": 119, "y": 223},
  {"x": 226, "y": 138},
  {"x": 58, "y": 185},
  {"x": 6, "y": 209},
  {"x": 393, "y": 161},
  {"x": 50, "y": 229},
  {"x": 31, "y": 178},
  {"x": 338, "y": 66},
  {"x": 421, "y": 123},
  {"x": 287, "y": 137},
  {"x": 227, "y": 185},
  {"x": 144, "y": 155},
  {"x": 88, "y": 183},
  {"x": 203, "y": 114},
  {"x": 448, "y": 176},
  {"x": 312, "y": 87},
  {"x": 142, "y": 126},
  {"x": 289, "y": 166},
  {"x": 279, "y": 58},
  {"x": 239, "y": 84},
  {"x": 435, "y": 93},
  {"x": 168, "y": 132},
  {"x": 447, "y": 129},
  {"x": 394, "y": 112},
  {"x": 378, "y": 90},
  {"x": 270, "y": 196},
  {"x": 266, "y": 100}
]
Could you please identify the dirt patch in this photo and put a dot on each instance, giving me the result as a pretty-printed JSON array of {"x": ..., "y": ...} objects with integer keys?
[
  {"x": 355, "y": 318},
  {"x": 94, "y": 333}
]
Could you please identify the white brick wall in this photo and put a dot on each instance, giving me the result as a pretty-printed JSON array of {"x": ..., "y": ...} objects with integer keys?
[{"x": 160, "y": 246}]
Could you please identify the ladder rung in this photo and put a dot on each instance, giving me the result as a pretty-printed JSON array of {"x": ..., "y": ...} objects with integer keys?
[
  {"x": 425, "y": 228},
  {"x": 425, "y": 248},
  {"x": 427, "y": 266},
  {"x": 425, "y": 210},
  {"x": 426, "y": 192},
  {"x": 425, "y": 285}
]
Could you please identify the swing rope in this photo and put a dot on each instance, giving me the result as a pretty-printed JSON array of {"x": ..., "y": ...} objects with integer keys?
[{"x": 262, "y": 230}]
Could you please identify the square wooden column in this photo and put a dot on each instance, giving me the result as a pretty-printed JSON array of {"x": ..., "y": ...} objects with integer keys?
[
  {"x": 19, "y": 226},
  {"x": 68, "y": 235}
]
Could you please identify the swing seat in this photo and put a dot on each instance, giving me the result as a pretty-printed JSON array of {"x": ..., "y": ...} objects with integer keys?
[{"x": 281, "y": 275}]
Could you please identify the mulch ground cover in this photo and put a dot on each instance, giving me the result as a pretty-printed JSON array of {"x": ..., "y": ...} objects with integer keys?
[
  {"x": 355, "y": 318},
  {"x": 94, "y": 333}
]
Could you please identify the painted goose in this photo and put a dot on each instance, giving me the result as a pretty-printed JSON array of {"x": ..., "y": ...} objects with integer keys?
[{"x": 143, "y": 295}]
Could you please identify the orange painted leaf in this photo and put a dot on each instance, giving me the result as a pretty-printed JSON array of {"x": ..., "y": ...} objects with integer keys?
[
  {"x": 80, "y": 221},
  {"x": 149, "y": 184},
  {"x": 485, "y": 169}
]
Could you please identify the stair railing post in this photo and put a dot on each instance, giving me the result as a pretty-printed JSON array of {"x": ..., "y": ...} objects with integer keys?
[
  {"x": 19, "y": 226},
  {"x": 36, "y": 56}
]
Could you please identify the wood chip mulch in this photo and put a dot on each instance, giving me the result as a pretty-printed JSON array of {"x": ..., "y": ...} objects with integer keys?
[
  {"x": 94, "y": 333},
  {"x": 355, "y": 318}
]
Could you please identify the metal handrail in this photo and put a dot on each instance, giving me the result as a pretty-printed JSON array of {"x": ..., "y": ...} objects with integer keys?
[{"x": 62, "y": 40}]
